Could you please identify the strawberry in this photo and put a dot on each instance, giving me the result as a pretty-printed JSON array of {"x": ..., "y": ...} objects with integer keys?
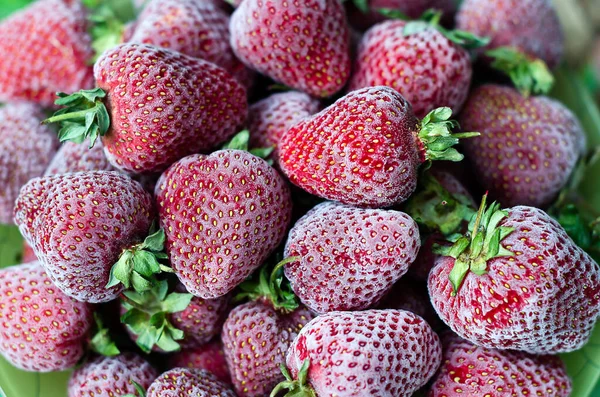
[
  {"x": 111, "y": 376},
  {"x": 58, "y": 48},
  {"x": 348, "y": 258},
  {"x": 80, "y": 224},
  {"x": 209, "y": 357},
  {"x": 26, "y": 149},
  {"x": 528, "y": 147},
  {"x": 42, "y": 329},
  {"x": 365, "y": 149},
  {"x": 511, "y": 284},
  {"x": 74, "y": 157},
  {"x": 184, "y": 382},
  {"x": 368, "y": 353},
  {"x": 304, "y": 45},
  {"x": 477, "y": 371},
  {"x": 153, "y": 107},
  {"x": 223, "y": 215},
  {"x": 28, "y": 254}
]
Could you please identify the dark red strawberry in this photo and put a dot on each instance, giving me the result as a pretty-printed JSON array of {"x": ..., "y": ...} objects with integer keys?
[
  {"x": 528, "y": 147},
  {"x": 153, "y": 107},
  {"x": 75, "y": 157},
  {"x": 184, "y": 382},
  {"x": 366, "y": 148},
  {"x": 111, "y": 376},
  {"x": 57, "y": 55},
  {"x": 368, "y": 353},
  {"x": 42, "y": 329},
  {"x": 209, "y": 357},
  {"x": 518, "y": 282},
  {"x": 472, "y": 370},
  {"x": 223, "y": 215},
  {"x": 304, "y": 45},
  {"x": 26, "y": 149}
]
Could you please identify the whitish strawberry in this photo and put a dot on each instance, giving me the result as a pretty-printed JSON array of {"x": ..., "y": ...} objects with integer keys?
[
  {"x": 209, "y": 357},
  {"x": 183, "y": 382},
  {"x": 42, "y": 329},
  {"x": 74, "y": 157}
]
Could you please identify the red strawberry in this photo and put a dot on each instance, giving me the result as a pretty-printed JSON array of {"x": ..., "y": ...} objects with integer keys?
[
  {"x": 471, "y": 370},
  {"x": 256, "y": 337},
  {"x": 368, "y": 353},
  {"x": 42, "y": 329},
  {"x": 271, "y": 117},
  {"x": 28, "y": 254},
  {"x": 511, "y": 285},
  {"x": 528, "y": 146},
  {"x": 196, "y": 28},
  {"x": 365, "y": 149},
  {"x": 223, "y": 215},
  {"x": 304, "y": 45},
  {"x": 348, "y": 258},
  {"x": 183, "y": 382},
  {"x": 45, "y": 48},
  {"x": 26, "y": 149},
  {"x": 209, "y": 357},
  {"x": 111, "y": 376},
  {"x": 153, "y": 107},
  {"x": 74, "y": 157},
  {"x": 79, "y": 224},
  {"x": 426, "y": 67}
]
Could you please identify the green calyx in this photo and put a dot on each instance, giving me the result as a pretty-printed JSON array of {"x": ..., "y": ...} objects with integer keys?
[
  {"x": 106, "y": 30},
  {"x": 84, "y": 116},
  {"x": 529, "y": 75},
  {"x": 140, "y": 392},
  {"x": 437, "y": 137},
  {"x": 362, "y": 5},
  {"x": 101, "y": 342},
  {"x": 241, "y": 141},
  {"x": 139, "y": 264},
  {"x": 295, "y": 388},
  {"x": 472, "y": 254},
  {"x": 269, "y": 283},
  {"x": 147, "y": 316}
]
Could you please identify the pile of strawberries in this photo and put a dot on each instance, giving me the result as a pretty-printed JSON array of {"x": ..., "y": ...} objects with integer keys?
[{"x": 267, "y": 198}]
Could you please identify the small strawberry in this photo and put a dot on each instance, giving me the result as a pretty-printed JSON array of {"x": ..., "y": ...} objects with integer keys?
[
  {"x": 511, "y": 285},
  {"x": 153, "y": 107},
  {"x": 348, "y": 258},
  {"x": 472, "y": 370},
  {"x": 80, "y": 224},
  {"x": 184, "y": 382},
  {"x": 74, "y": 157},
  {"x": 368, "y": 353},
  {"x": 209, "y": 357},
  {"x": 42, "y": 329},
  {"x": 528, "y": 147},
  {"x": 365, "y": 149},
  {"x": 45, "y": 48},
  {"x": 223, "y": 215},
  {"x": 111, "y": 376},
  {"x": 304, "y": 45},
  {"x": 26, "y": 149}
]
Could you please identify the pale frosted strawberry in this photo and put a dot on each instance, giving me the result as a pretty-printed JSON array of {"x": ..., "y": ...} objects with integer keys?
[
  {"x": 184, "y": 382},
  {"x": 76, "y": 157},
  {"x": 209, "y": 357}
]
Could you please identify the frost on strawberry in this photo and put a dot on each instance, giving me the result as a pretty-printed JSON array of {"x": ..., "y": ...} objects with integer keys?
[
  {"x": 74, "y": 157},
  {"x": 186, "y": 382}
]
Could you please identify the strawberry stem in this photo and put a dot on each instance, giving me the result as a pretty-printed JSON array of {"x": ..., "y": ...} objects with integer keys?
[{"x": 295, "y": 388}]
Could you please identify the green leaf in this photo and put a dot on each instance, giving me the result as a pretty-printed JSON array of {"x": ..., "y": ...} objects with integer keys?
[
  {"x": 393, "y": 13},
  {"x": 458, "y": 274},
  {"x": 120, "y": 272},
  {"x": 101, "y": 342},
  {"x": 362, "y": 5},
  {"x": 263, "y": 153},
  {"x": 176, "y": 302},
  {"x": 155, "y": 242},
  {"x": 239, "y": 141}
]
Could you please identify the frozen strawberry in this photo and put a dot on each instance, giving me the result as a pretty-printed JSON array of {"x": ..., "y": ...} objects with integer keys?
[
  {"x": 304, "y": 45},
  {"x": 368, "y": 353},
  {"x": 209, "y": 357},
  {"x": 471, "y": 370},
  {"x": 528, "y": 147},
  {"x": 366, "y": 148},
  {"x": 111, "y": 376},
  {"x": 81, "y": 224},
  {"x": 153, "y": 107},
  {"x": 45, "y": 49},
  {"x": 28, "y": 254},
  {"x": 184, "y": 382},
  {"x": 74, "y": 157},
  {"x": 510, "y": 284},
  {"x": 223, "y": 215},
  {"x": 26, "y": 149},
  {"x": 42, "y": 329}
]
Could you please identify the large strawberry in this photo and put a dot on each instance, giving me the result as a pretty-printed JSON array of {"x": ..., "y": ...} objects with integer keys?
[
  {"x": 528, "y": 146},
  {"x": 348, "y": 258},
  {"x": 305, "y": 45},
  {"x": 518, "y": 282},
  {"x": 184, "y": 382},
  {"x": 153, "y": 107},
  {"x": 80, "y": 224},
  {"x": 75, "y": 157},
  {"x": 209, "y": 357},
  {"x": 223, "y": 215},
  {"x": 26, "y": 149},
  {"x": 472, "y": 370},
  {"x": 366, "y": 148},
  {"x": 45, "y": 48},
  {"x": 42, "y": 329},
  {"x": 368, "y": 353}
]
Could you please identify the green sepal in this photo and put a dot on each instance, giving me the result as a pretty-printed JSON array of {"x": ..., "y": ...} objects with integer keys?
[
  {"x": 393, "y": 13},
  {"x": 295, "y": 388},
  {"x": 140, "y": 392},
  {"x": 84, "y": 116},
  {"x": 106, "y": 30},
  {"x": 362, "y": 5},
  {"x": 457, "y": 275},
  {"x": 529, "y": 75},
  {"x": 241, "y": 141},
  {"x": 101, "y": 342}
]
